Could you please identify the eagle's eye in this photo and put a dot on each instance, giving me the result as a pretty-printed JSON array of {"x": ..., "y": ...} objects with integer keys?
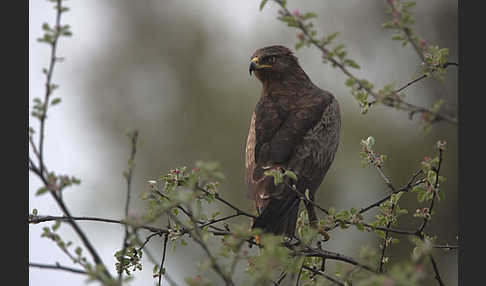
[{"x": 272, "y": 59}]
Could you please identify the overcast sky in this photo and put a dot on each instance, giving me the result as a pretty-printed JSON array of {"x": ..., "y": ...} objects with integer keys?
[{"x": 73, "y": 143}]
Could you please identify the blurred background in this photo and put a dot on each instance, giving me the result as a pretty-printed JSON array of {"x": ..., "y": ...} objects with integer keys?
[{"x": 178, "y": 72}]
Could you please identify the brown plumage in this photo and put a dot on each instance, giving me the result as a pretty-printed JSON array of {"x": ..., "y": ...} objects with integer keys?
[{"x": 295, "y": 126}]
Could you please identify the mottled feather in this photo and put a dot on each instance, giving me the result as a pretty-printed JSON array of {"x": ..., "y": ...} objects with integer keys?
[{"x": 295, "y": 126}]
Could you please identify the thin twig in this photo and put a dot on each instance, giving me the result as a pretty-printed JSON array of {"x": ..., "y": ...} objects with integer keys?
[
  {"x": 37, "y": 154},
  {"x": 38, "y": 219},
  {"x": 166, "y": 236},
  {"x": 422, "y": 77},
  {"x": 57, "y": 266},
  {"x": 313, "y": 252},
  {"x": 128, "y": 176},
  {"x": 219, "y": 220},
  {"x": 436, "y": 270},
  {"x": 300, "y": 273},
  {"x": 320, "y": 273},
  {"x": 387, "y": 233},
  {"x": 427, "y": 218},
  {"x": 398, "y": 103},
  {"x": 410, "y": 83},
  {"x": 385, "y": 243},
  {"x": 282, "y": 277},
  {"x": 411, "y": 183},
  {"x": 40, "y": 171},
  {"x": 198, "y": 239},
  {"x": 305, "y": 199},
  {"x": 219, "y": 198},
  {"x": 436, "y": 183},
  {"x": 408, "y": 33},
  {"x": 150, "y": 256},
  {"x": 78, "y": 230},
  {"x": 48, "y": 84},
  {"x": 148, "y": 239},
  {"x": 446, "y": 246}
]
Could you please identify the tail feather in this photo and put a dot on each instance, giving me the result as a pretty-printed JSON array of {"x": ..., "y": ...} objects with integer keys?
[{"x": 279, "y": 217}]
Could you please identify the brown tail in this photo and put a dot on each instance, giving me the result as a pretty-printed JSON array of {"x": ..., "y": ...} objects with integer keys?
[{"x": 279, "y": 217}]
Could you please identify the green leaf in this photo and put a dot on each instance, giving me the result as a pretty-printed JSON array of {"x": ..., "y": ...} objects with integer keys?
[
  {"x": 381, "y": 233},
  {"x": 370, "y": 141},
  {"x": 331, "y": 211},
  {"x": 408, "y": 4},
  {"x": 440, "y": 195},
  {"x": 332, "y": 36},
  {"x": 397, "y": 37},
  {"x": 307, "y": 194},
  {"x": 262, "y": 4},
  {"x": 350, "y": 82},
  {"x": 41, "y": 191},
  {"x": 402, "y": 212},
  {"x": 46, "y": 27},
  {"x": 351, "y": 63},
  {"x": 309, "y": 16},
  {"x": 56, "y": 225},
  {"x": 343, "y": 215},
  {"x": 55, "y": 101},
  {"x": 418, "y": 189},
  {"x": 215, "y": 214},
  {"x": 421, "y": 196},
  {"x": 291, "y": 175},
  {"x": 155, "y": 270},
  {"x": 34, "y": 211},
  {"x": 388, "y": 25},
  {"x": 431, "y": 177},
  {"x": 299, "y": 45}
]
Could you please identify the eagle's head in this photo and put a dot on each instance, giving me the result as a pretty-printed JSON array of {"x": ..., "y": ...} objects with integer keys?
[{"x": 273, "y": 62}]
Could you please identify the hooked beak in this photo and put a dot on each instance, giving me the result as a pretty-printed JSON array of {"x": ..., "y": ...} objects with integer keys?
[{"x": 255, "y": 66}]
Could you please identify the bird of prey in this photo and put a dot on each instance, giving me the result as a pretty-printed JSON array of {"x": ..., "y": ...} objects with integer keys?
[{"x": 295, "y": 126}]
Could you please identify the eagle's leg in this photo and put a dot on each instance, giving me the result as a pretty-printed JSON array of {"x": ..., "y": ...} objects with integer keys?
[{"x": 311, "y": 213}]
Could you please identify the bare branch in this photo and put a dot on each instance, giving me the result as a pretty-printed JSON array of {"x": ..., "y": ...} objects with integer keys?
[
  {"x": 436, "y": 270},
  {"x": 447, "y": 246},
  {"x": 48, "y": 92},
  {"x": 321, "y": 273},
  {"x": 411, "y": 183},
  {"x": 219, "y": 198},
  {"x": 161, "y": 270},
  {"x": 57, "y": 266},
  {"x": 38, "y": 219},
  {"x": 426, "y": 218},
  {"x": 396, "y": 103},
  {"x": 314, "y": 252},
  {"x": 128, "y": 176},
  {"x": 197, "y": 237}
]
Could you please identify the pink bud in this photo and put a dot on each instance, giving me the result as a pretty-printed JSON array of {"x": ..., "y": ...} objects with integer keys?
[{"x": 296, "y": 13}]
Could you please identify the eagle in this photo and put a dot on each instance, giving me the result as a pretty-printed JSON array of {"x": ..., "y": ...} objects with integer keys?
[{"x": 295, "y": 126}]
